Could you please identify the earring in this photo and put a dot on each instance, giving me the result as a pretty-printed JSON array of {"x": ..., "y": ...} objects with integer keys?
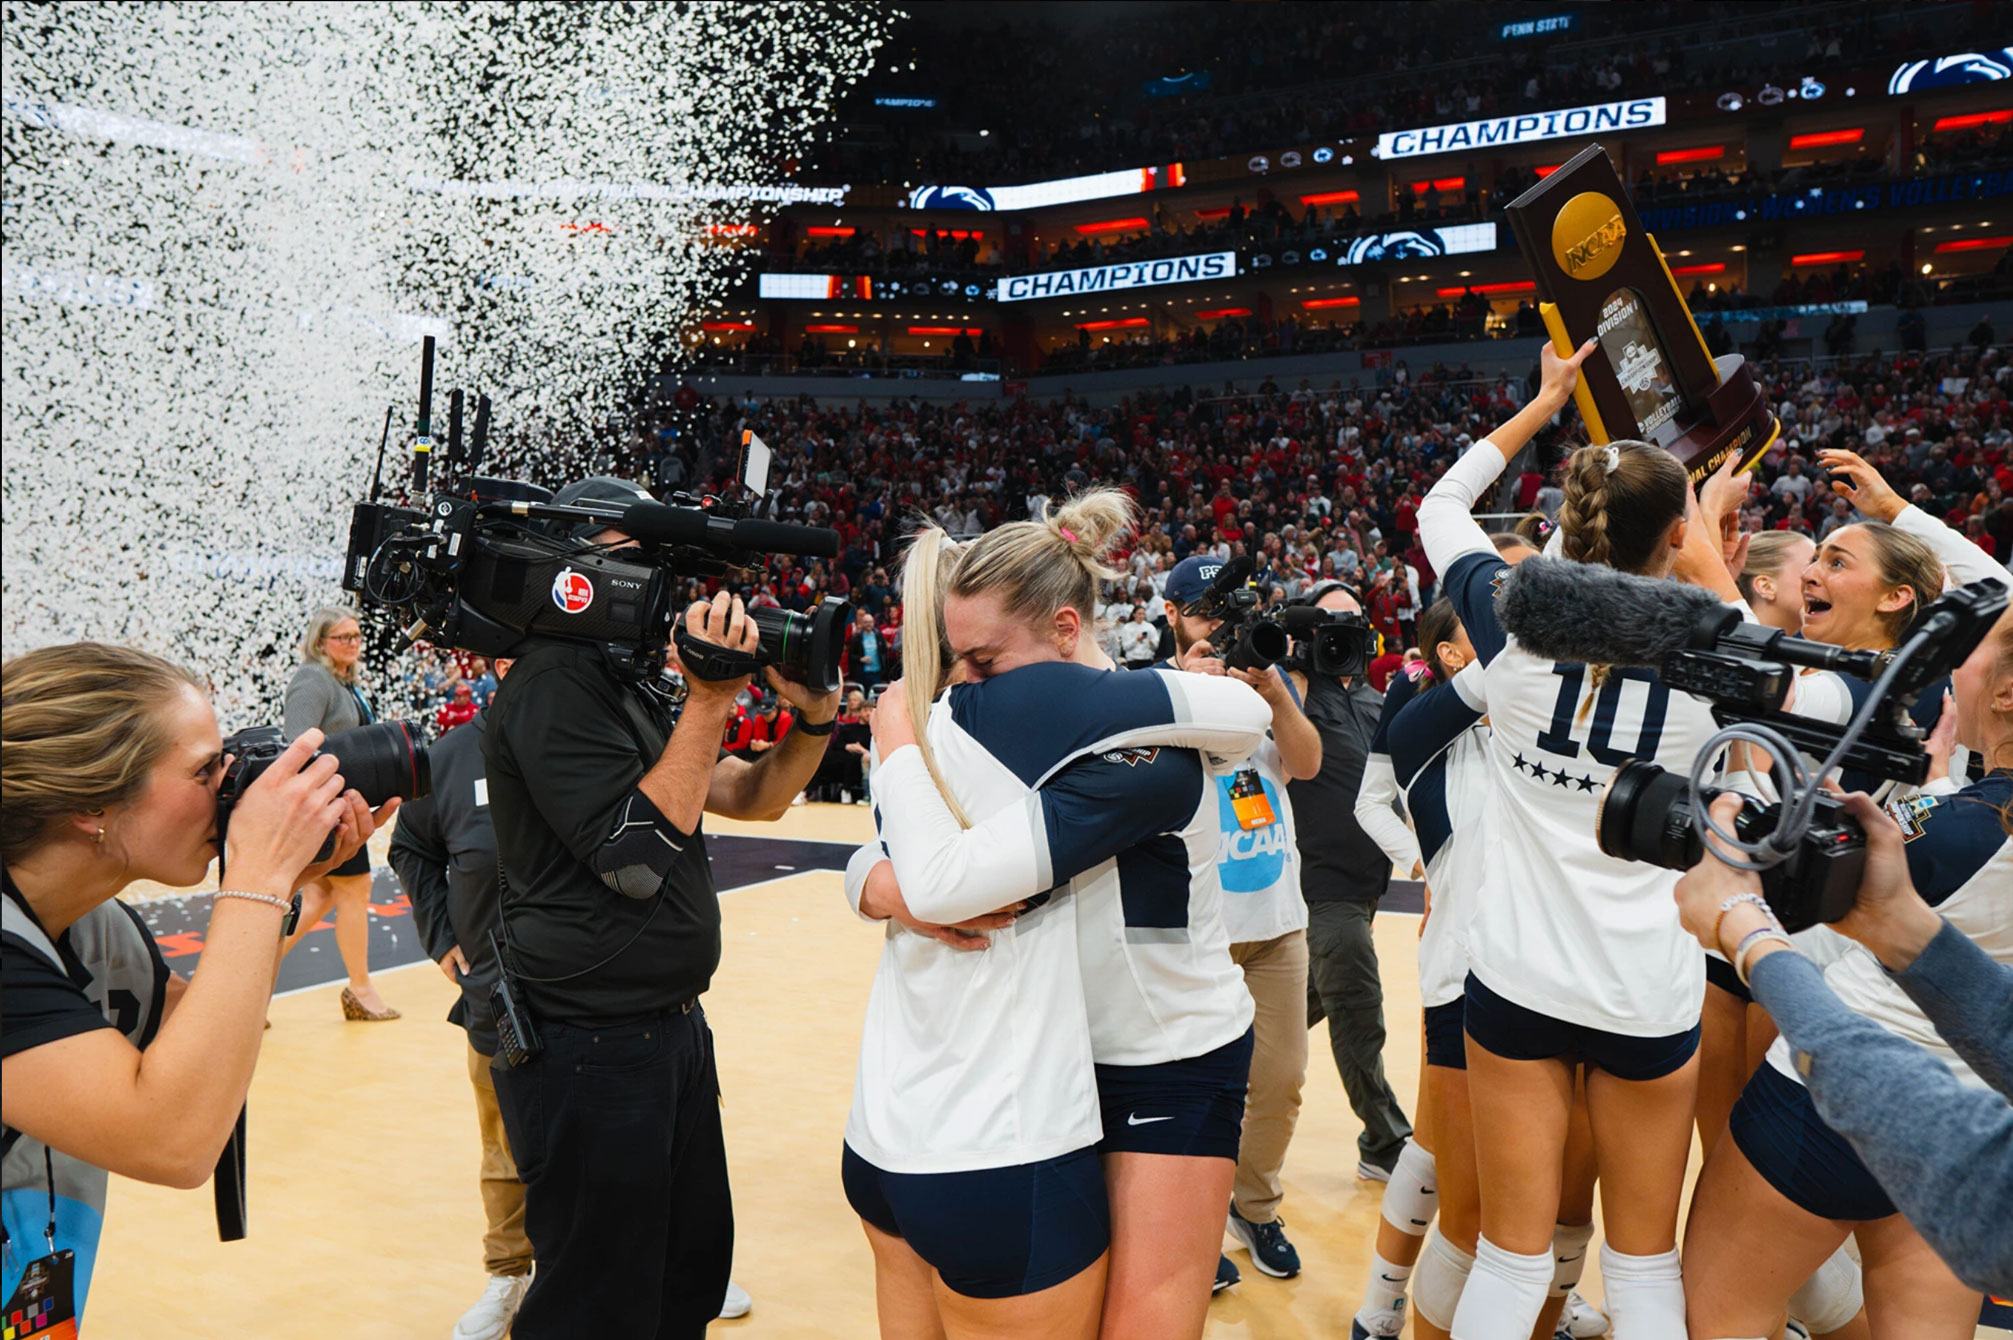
[{"x": 99, "y": 837}]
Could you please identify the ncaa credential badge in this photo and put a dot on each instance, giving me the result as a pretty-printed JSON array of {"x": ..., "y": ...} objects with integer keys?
[
  {"x": 572, "y": 592},
  {"x": 1910, "y": 813}
]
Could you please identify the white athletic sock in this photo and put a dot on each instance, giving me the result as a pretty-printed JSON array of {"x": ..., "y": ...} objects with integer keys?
[
  {"x": 1384, "y": 1297},
  {"x": 1411, "y": 1198},
  {"x": 1831, "y": 1297},
  {"x": 1569, "y": 1256},
  {"x": 1504, "y": 1294},
  {"x": 1645, "y": 1294}
]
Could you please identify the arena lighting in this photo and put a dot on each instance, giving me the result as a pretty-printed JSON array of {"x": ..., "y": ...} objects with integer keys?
[
  {"x": 1973, "y": 121},
  {"x": 946, "y": 330},
  {"x": 1113, "y": 324},
  {"x": 1219, "y": 313},
  {"x": 1712, "y": 268},
  {"x": 959, "y": 233},
  {"x": 1324, "y": 198},
  {"x": 731, "y": 230},
  {"x": 1701, "y": 155},
  {"x": 1547, "y": 170},
  {"x": 1063, "y": 191},
  {"x": 1973, "y": 244},
  {"x": 1487, "y": 290},
  {"x": 1827, "y": 258},
  {"x": 1331, "y": 302},
  {"x": 1111, "y": 226},
  {"x": 727, "y": 325},
  {"x": 1442, "y": 184},
  {"x": 1820, "y": 139},
  {"x": 828, "y": 232},
  {"x": 831, "y": 330},
  {"x": 1220, "y": 212}
]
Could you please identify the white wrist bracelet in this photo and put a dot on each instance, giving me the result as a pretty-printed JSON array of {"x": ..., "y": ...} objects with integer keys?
[
  {"x": 271, "y": 899},
  {"x": 1750, "y": 940}
]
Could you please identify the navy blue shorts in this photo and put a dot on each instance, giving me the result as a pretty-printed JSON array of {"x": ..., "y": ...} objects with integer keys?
[
  {"x": 1192, "y": 1107},
  {"x": 1445, "y": 1043},
  {"x": 1720, "y": 973},
  {"x": 1776, "y": 1125},
  {"x": 991, "y": 1232},
  {"x": 1511, "y": 1031}
]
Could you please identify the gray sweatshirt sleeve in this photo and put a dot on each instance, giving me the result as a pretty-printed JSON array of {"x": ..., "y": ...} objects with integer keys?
[
  {"x": 1944, "y": 1153},
  {"x": 307, "y": 705},
  {"x": 1968, "y": 997}
]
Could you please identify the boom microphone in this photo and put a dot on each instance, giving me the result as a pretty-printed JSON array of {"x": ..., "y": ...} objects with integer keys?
[
  {"x": 1589, "y": 612},
  {"x": 655, "y": 523},
  {"x": 1304, "y": 618}
]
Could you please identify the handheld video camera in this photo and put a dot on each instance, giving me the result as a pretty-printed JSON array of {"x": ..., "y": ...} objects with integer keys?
[
  {"x": 492, "y": 566},
  {"x": 1335, "y": 643},
  {"x": 1813, "y": 853},
  {"x": 1245, "y": 639}
]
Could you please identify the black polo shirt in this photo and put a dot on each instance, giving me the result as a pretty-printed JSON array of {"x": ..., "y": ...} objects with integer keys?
[
  {"x": 567, "y": 742},
  {"x": 1339, "y": 861}
]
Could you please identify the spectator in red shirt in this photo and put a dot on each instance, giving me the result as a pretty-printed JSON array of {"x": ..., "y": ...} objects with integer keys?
[{"x": 457, "y": 711}]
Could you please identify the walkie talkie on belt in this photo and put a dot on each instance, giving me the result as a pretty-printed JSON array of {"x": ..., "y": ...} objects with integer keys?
[{"x": 516, "y": 1034}]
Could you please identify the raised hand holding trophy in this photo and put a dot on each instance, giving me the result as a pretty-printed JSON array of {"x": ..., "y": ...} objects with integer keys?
[{"x": 1602, "y": 277}]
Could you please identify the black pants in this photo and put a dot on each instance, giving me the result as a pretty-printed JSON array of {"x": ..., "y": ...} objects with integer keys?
[
  {"x": 1343, "y": 988},
  {"x": 617, "y": 1137}
]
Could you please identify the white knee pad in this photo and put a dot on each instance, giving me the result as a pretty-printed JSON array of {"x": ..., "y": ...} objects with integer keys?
[
  {"x": 1437, "y": 1280},
  {"x": 1645, "y": 1294},
  {"x": 1569, "y": 1256},
  {"x": 1504, "y": 1294},
  {"x": 1831, "y": 1297},
  {"x": 1411, "y": 1198}
]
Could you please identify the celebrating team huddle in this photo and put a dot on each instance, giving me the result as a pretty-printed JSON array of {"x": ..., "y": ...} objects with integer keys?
[{"x": 1070, "y": 1028}]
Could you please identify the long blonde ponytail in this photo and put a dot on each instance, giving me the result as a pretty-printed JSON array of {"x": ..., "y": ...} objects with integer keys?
[{"x": 927, "y": 569}]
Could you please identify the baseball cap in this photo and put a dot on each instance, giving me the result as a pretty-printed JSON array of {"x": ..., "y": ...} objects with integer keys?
[{"x": 1192, "y": 576}]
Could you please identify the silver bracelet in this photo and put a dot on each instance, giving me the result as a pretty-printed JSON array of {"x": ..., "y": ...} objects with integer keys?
[
  {"x": 1735, "y": 901},
  {"x": 1750, "y": 940},
  {"x": 271, "y": 899}
]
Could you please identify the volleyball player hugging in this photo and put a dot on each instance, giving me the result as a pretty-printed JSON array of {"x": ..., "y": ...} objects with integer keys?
[
  {"x": 1077, "y": 800},
  {"x": 1786, "y": 1185},
  {"x": 1574, "y": 956}
]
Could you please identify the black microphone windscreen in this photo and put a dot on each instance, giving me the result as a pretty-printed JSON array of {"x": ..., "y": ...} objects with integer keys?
[
  {"x": 1302, "y": 617},
  {"x": 657, "y": 523},
  {"x": 779, "y": 537},
  {"x": 1589, "y": 612}
]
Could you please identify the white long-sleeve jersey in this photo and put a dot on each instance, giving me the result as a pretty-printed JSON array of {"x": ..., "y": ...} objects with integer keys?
[
  {"x": 1561, "y": 927},
  {"x": 983, "y": 1059},
  {"x": 1128, "y": 825}
]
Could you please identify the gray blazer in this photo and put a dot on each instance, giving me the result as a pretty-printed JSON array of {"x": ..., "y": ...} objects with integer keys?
[{"x": 317, "y": 699}]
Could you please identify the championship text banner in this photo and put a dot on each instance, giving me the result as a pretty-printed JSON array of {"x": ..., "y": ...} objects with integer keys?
[
  {"x": 1526, "y": 128},
  {"x": 1115, "y": 278}
]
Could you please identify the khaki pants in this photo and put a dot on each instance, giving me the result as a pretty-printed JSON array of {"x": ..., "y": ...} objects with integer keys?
[
  {"x": 505, "y": 1249},
  {"x": 1275, "y": 972}
]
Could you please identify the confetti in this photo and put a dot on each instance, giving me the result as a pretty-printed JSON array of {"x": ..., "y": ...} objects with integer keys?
[{"x": 227, "y": 226}]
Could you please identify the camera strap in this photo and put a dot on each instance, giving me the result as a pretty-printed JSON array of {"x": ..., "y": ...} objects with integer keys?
[{"x": 710, "y": 661}]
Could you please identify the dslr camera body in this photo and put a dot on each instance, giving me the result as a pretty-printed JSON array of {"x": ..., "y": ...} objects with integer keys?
[
  {"x": 1647, "y": 813},
  {"x": 492, "y": 566}
]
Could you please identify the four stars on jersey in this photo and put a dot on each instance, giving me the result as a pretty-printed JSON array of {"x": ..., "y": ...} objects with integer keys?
[{"x": 1557, "y": 776}]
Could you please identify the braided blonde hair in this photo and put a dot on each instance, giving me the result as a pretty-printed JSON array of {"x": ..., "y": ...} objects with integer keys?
[{"x": 1621, "y": 500}]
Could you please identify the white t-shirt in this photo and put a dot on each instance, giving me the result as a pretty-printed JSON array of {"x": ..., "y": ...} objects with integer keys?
[{"x": 1259, "y": 868}]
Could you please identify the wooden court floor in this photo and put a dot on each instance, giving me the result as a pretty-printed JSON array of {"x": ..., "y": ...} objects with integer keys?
[{"x": 364, "y": 1212}]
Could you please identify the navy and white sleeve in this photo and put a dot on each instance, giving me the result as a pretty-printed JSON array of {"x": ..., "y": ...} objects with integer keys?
[
  {"x": 1447, "y": 525},
  {"x": 1377, "y": 796},
  {"x": 1089, "y": 812},
  {"x": 1427, "y": 725}
]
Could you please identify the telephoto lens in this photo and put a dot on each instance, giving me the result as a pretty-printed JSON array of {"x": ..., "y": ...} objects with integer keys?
[
  {"x": 1645, "y": 815},
  {"x": 1261, "y": 644},
  {"x": 805, "y": 648},
  {"x": 380, "y": 761}
]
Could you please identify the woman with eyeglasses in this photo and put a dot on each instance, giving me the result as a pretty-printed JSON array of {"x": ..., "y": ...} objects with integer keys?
[{"x": 325, "y": 695}]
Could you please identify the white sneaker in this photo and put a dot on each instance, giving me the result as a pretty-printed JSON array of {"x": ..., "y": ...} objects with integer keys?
[
  {"x": 492, "y": 1314},
  {"x": 737, "y": 1302},
  {"x": 1580, "y": 1319}
]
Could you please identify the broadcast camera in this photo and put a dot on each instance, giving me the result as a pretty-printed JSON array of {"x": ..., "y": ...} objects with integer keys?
[
  {"x": 491, "y": 566},
  {"x": 1809, "y": 852},
  {"x": 1335, "y": 643}
]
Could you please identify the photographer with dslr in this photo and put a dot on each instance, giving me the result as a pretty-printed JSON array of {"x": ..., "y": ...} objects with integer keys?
[
  {"x": 1842, "y": 1130},
  {"x": 110, "y": 769},
  {"x": 611, "y": 932}
]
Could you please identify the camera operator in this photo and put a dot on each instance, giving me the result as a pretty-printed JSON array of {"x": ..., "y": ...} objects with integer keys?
[
  {"x": 109, "y": 771},
  {"x": 612, "y": 928},
  {"x": 1267, "y": 922},
  {"x": 1343, "y": 875},
  {"x": 1806, "y": 1161},
  {"x": 1942, "y": 1149}
]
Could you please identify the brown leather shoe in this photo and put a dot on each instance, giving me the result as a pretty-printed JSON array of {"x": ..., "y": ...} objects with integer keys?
[{"x": 354, "y": 1011}]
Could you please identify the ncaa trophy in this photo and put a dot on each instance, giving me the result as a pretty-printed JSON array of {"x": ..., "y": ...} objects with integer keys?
[{"x": 1600, "y": 275}]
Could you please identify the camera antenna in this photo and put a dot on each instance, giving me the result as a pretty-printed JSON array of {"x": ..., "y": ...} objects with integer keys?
[
  {"x": 422, "y": 441},
  {"x": 454, "y": 427},
  {"x": 479, "y": 439},
  {"x": 377, "y": 475}
]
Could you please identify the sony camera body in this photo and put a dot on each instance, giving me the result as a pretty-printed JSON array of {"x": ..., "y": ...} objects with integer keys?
[
  {"x": 492, "y": 566},
  {"x": 1745, "y": 670},
  {"x": 1336, "y": 643}
]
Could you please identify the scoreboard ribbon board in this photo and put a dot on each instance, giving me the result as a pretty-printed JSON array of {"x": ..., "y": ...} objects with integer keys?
[{"x": 1602, "y": 277}]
